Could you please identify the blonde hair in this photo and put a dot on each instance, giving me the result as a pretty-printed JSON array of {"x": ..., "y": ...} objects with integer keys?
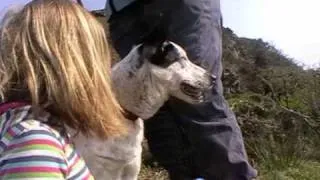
[{"x": 54, "y": 54}]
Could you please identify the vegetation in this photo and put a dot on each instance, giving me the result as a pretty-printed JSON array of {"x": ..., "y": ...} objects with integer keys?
[{"x": 277, "y": 104}]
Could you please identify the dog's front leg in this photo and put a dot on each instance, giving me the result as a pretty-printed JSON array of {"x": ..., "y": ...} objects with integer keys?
[{"x": 131, "y": 170}]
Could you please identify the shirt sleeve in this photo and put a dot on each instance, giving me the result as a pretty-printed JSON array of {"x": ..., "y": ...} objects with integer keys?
[{"x": 32, "y": 154}]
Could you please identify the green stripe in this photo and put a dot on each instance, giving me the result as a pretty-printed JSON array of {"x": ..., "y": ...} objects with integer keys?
[
  {"x": 8, "y": 136},
  {"x": 27, "y": 175},
  {"x": 38, "y": 147}
]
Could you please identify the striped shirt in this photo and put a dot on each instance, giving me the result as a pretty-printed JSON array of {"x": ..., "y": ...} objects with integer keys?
[{"x": 31, "y": 149}]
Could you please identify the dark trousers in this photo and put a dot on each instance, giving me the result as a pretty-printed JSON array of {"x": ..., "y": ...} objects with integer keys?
[{"x": 188, "y": 140}]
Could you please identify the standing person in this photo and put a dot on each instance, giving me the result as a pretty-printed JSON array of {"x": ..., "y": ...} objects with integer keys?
[
  {"x": 188, "y": 140},
  {"x": 54, "y": 73}
]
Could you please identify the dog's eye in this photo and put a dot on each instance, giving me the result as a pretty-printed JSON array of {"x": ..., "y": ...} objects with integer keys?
[
  {"x": 183, "y": 58},
  {"x": 167, "y": 48},
  {"x": 197, "y": 63}
]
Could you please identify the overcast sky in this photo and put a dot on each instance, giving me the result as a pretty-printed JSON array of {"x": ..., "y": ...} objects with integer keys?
[{"x": 293, "y": 26}]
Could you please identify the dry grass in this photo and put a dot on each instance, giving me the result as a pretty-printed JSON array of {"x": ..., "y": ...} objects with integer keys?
[{"x": 148, "y": 172}]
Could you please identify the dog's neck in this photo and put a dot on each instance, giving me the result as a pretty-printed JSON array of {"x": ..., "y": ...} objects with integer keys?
[
  {"x": 136, "y": 89},
  {"x": 129, "y": 115}
]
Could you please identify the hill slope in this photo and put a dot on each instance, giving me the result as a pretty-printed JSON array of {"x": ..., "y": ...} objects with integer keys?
[{"x": 277, "y": 104}]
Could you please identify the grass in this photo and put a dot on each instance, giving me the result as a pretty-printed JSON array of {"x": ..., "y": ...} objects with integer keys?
[
  {"x": 155, "y": 173},
  {"x": 273, "y": 160},
  {"x": 306, "y": 170}
]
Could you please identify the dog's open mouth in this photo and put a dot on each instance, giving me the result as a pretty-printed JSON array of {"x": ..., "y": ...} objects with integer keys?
[{"x": 192, "y": 91}]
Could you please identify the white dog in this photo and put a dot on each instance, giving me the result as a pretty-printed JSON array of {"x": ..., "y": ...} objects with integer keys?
[{"x": 143, "y": 81}]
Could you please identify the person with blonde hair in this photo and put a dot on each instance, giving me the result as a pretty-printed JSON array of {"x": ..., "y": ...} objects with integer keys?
[{"x": 54, "y": 74}]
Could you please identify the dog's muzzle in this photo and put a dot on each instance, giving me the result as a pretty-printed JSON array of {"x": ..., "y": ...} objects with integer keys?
[
  {"x": 199, "y": 91},
  {"x": 192, "y": 91}
]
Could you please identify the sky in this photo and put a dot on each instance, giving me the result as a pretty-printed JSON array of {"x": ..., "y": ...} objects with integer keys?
[{"x": 292, "y": 26}]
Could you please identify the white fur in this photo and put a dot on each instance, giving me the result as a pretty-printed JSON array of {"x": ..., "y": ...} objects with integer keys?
[{"x": 141, "y": 88}]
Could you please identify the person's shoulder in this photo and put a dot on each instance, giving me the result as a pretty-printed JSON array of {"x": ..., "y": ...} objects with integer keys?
[
  {"x": 32, "y": 137},
  {"x": 30, "y": 148},
  {"x": 20, "y": 125}
]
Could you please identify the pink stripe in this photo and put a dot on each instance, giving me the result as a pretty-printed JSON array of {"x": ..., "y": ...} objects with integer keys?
[
  {"x": 11, "y": 132},
  {"x": 87, "y": 176},
  {"x": 75, "y": 161},
  {"x": 11, "y": 105},
  {"x": 32, "y": 169},
  {"x": 35, "y": 142}
]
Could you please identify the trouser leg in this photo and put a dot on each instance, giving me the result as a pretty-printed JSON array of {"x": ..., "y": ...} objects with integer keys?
[{"x": 189, "y": 140}]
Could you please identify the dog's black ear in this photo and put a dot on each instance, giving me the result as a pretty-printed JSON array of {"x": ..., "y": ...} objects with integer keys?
[
  {"x": 157, "y": 34},
  {"x": 154, "y": 45},
  {"x": 161, "y": 56},
  {"x": 156, "y": 37}
]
